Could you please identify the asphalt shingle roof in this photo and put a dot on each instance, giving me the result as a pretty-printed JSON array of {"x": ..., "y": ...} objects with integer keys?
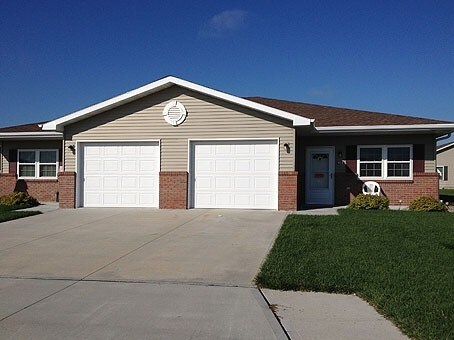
[{"x": 336, "y": 116}]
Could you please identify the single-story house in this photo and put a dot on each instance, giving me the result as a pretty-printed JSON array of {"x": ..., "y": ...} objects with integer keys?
[
  {"x": 445, "y": 165},
  {"x": 176, "y": 144}
]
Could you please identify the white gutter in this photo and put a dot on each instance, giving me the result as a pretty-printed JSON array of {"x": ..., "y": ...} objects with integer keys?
[
  {"x": 386, "y": 128},
  {"x": 31, "y": 135}
]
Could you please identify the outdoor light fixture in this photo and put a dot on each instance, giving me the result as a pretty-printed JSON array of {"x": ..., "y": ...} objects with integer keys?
[
  {"x": 287, "y": 147},
  {"x": 340, "y": 154},
  {"x": 72, "y": 148}
]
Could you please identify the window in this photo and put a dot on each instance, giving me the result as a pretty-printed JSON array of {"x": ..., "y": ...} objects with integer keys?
[
  {"x": 442, "y": 172},
  {"x": 387, "y": 162},
  {"x": 37, "y": 163}
]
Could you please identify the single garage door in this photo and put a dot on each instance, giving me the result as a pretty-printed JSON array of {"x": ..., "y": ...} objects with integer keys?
[
  {"x": 234, "y": 174},
  {"x": 123, "y": 174}
]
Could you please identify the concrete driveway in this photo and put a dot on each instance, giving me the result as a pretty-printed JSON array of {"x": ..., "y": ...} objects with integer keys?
[{"x": 136, "y": 273}]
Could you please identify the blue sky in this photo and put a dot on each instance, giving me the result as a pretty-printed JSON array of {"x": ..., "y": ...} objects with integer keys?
[{"x": 389, "y": 56}]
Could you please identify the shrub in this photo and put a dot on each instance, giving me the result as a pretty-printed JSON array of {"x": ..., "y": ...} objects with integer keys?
[
  {"x": 19, "y": 200},
  {"x": 427, "y": 203},
  {"x": 369, "y": 202}
]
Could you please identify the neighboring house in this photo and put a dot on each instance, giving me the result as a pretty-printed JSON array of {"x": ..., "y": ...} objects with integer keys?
[
  {"x": 176, "y": 144},
  {"x": 445, "y": 165}
]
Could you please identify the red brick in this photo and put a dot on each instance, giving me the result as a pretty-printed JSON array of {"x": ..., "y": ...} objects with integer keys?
[
  {"x": 67, "y": 189},
  {"x": 288, "y": 190},
  {"x": 173, "y": 190},
  {"x": 348, "y": 186}
]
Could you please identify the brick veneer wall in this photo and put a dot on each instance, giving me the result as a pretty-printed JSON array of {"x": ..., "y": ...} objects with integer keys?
[
  {"x": 67, "y": 189},
  {"x": 44, "y": 190},
  {"x": 422, "y": 184},
  {"x": 288, "y": 190},
  {"x": 7, "y": 183},
  {"x": 173, "y": 190}
]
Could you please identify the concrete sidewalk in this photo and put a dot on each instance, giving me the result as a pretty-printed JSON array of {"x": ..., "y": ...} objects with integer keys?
[{"x": 309, "y": 315}]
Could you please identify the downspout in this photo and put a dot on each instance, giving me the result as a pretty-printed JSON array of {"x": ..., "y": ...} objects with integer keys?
[{"x": 448, "y": 135}]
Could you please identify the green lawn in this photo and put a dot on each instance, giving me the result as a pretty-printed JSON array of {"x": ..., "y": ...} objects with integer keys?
[
  {"x": 401, "y": 262},
  {"x": 6, "y": 213},
  {"x": 447, "y": 195}
]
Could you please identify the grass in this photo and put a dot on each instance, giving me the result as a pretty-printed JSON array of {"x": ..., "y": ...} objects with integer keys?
[
  {"x": 401, "y": 262},
  {"x": 8, "y": 213},
  {"x": 447, "y": 195}
]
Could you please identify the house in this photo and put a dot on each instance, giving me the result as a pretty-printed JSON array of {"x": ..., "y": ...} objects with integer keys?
[
  {"x": 445, "y": 165},
  {"x": 176, "y": 144}
]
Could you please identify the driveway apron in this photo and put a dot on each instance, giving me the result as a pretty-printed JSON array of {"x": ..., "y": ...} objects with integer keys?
[{"x": 136, "y": 273}]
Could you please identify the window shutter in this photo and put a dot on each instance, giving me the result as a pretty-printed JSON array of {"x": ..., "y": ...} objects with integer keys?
[
  {"x": 445, "y": 173},
  {"x": 351, "y": 158},
  {"x": 12, "y": 161},
  {"x": 418, "y": 158}
]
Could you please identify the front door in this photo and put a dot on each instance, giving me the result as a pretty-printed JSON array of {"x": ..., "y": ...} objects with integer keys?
[{"x": 320, "y": 175}]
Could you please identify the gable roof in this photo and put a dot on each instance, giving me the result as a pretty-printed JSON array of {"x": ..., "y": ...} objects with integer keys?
[
  {"x": 444, "y": 147},
  {"x": 161, "y": 84}
]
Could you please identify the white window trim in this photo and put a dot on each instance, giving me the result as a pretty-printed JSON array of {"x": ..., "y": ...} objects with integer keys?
[
  {"x": 37, "y": 164},
  {"x": 443, "y": 173},
  {"x": 384, "y": 162}
]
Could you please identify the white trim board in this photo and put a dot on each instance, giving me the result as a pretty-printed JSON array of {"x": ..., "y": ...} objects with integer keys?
[
  {"x": 442, "y": 148},
  {"x": 386, "y": 128},
  {"x": 163, "y": 83}
]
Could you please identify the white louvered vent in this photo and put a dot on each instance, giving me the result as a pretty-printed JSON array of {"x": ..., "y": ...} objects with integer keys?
[{"x": 174, "y": 113}]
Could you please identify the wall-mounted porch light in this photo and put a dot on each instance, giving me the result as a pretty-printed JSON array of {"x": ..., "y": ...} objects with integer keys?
[{"x": 72, "y": 148}]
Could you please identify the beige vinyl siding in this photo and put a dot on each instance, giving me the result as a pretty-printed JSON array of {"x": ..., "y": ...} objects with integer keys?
[
  {"x": 340, "y": 142},
  {"x": 208, "y": 118},
  {"x": 446, "y": 158},
  {"x": 29, "y": 144}
]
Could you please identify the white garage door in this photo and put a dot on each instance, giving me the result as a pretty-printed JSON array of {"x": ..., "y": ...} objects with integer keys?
[
  {"x": 123, "y": 174},
  {"x": 234, "y": 174}
]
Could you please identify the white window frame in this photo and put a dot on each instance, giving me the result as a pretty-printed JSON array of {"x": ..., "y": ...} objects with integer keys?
[
  {"x": 444, "y": 171},
  {"x": 384, "y": 162},
  {"x": 37, "y": 164}
]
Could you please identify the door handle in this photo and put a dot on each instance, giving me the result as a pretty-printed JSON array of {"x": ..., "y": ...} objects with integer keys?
[{"x": 331, "y": 175}]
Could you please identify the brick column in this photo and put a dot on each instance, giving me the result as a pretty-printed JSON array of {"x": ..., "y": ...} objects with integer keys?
[
  {"x": 173, "y": 190},
  {"x": 7, "y": 183},
  {"x": 67, "y": 189},
  {"x": 288, "y": 190}
]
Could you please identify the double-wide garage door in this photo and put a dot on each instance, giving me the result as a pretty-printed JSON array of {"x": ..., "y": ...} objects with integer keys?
[
  {"x": 123, "y": 174},
  {"x": 234, "y": 174}
]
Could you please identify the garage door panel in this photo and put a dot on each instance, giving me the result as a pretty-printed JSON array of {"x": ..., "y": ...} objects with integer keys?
[
  {"x": 121, "y": 174},
  {"x": 109, "y": 198},
  {"x": 234, "y": 174},
  {"x": 223, "y": 165},
  {"x": 244, "y": 165},
  {"x": 110, "y": 182},
  {"x": 223, "y": 182},
  {"x": 111, "y": 165},
  {"x": 129, "y": 182},
  {"x": 223, "y": 199},
  {"x": 129, "y": 165},
  {"x": 242, "y": 182},
  {"x": 205, "y": 165}
]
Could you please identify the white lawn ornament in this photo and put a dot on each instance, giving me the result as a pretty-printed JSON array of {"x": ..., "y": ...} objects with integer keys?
[{"x": 371, "y": 188}]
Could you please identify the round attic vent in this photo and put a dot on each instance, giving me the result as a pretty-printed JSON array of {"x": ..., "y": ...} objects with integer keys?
[{"x": 174, "y": 113}]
